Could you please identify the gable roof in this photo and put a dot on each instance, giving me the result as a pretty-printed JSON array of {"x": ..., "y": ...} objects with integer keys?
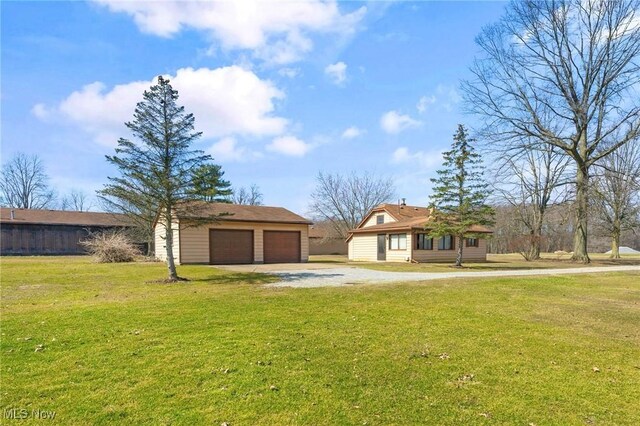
[
  {"x": 61, "y": 217},
  {"x": 241, "y": 213},
  {"x": 408, "y": 218}
]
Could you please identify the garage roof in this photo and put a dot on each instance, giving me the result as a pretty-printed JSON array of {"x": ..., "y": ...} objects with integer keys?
[
  {"x": 61, "y": 217},
  {"x": 241, "y": 213}
]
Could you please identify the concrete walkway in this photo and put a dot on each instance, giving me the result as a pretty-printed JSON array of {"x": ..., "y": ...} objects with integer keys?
[{"x": 341, "y": 276}]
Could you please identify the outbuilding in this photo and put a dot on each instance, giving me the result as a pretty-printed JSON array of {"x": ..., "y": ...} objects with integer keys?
[
  {"x": 241, "y": 235},
  {"x": 30, "y": 232}
]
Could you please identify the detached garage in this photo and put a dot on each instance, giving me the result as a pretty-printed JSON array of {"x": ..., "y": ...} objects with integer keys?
[{"x": 244, "y": 235}]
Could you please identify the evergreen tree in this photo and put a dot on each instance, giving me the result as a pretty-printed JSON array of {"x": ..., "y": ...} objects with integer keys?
[
  {"x": 208, "y": 184},
  {"x": 156, "y": 171},
  {"x": 459, "y": 196}
]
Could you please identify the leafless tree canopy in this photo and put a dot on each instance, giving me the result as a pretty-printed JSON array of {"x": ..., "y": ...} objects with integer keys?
[
  {"x": 249, "y": 197},
  {"x": 616, "y": 190},
  {"x": 24, "y": 183},
  {"x": 561, "y": 73},
  {"x": 530, "y": 183},
  {"x": 76, "y": 201},
  {"x": 344, "y": 200}
]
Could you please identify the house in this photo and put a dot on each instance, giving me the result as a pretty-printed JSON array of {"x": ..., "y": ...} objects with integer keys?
[
  {"x": 398, "y": 233},
  {"x": 324, "y": 240},
  {"x": 246, "y": 234},
  {"x": 51, "y": 232}
]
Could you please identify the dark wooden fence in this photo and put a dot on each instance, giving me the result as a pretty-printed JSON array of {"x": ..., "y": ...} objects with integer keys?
[{"x": 32, "y": 239}]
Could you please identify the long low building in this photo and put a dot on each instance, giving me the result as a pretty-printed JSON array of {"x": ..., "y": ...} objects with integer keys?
[
  {"x": 244, "y": 235},
  {"x": 28, "y": 232}
]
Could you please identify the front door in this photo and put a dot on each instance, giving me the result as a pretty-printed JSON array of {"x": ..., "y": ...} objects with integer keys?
[{"x": 382, "y": 247}]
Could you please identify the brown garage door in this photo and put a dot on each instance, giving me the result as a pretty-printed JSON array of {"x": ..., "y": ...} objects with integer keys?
[
  {"x": 230, "y": 246},
  {"x": 281, "y": 246}
]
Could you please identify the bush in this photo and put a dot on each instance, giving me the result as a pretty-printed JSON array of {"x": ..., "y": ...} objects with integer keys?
[{"x": 111, "y": 247}]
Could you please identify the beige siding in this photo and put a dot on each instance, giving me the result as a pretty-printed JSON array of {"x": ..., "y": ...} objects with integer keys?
[
  {"x": 363, "y": 247},
  {"x": 469, "y": 254},
  {"x": 372, "y": 220},
  {"x": 195, "y": 240},
  {"x": 161, "y": 247}
]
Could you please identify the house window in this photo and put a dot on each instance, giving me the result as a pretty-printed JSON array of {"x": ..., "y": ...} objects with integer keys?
[
  {"x": 472, "y": 242},
  {"x": 380, "y": 219},
  {"x": 424, "y": 242},
  {"x": 398, "y": 242},
  {"x": 446, "y": 243}
]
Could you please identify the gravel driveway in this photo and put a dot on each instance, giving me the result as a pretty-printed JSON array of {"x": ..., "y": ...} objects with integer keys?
[{"x": 337, "y": 277}]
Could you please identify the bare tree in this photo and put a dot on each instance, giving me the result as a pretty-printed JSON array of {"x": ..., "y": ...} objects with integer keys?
[
  {"x": 530, "y": 183},
  {"x": 24, "y": 184},
  {"x": 76, "y": 201},
  {"x": 249, "y": 197},
  {"x": 615, "y": 193},
  {"x": 561, "y": 73},
  {"x": 344, "y": 200}
]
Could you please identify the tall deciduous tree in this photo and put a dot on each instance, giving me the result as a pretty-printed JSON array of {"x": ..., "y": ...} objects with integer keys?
[
  {"x": 616, "y": 190},
  {"x": 344, "y": 200},
  {"x": 76, "y": 200},
  {"x": 208, "y": 184},
  {"x": 248, "y": 197},
  {"x": 459, "y": 196},
  {"x": 156, "y": 171},
  {"x": 530, "y": 183},
  {"x": 564, "y": 73},
  {"x": 24, "y": 184}
]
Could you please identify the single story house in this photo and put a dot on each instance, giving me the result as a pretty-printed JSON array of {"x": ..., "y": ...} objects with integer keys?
[
  {"x": 324, "y": 240},
  {"x": 246, "y": 234},
  {"x": 51, "y": 232},
  {"x": 398, "y": 233}
]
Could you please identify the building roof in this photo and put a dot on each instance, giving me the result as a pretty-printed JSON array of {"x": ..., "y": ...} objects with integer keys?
[
  {"x": 241, "y": 213},
  {"x": 61, "y": 217},
  {"x": 408, "y": 218}
]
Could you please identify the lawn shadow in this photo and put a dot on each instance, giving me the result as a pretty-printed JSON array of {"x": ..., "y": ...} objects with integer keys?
[{"x": 237, "y": 278}]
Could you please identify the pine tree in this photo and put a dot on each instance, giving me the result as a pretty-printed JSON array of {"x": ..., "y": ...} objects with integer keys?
[
  {"x": 156, "y": 171},
  {"x": 459, "y": 196},
  {"x": 208, "y": 184}
]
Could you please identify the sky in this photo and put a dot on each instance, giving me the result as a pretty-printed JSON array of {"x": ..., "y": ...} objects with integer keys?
[{"x": 280, "y": 90}]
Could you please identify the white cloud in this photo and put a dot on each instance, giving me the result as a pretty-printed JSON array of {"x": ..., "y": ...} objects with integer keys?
[
  {"x": 337, "y": 72},
  {"x": 289, "y": 72},
  {"x": 424, "y": 102},
  {"x": 394, "y": 122},
  {"x": 225, "y": 101},
  {"x": 41, "y": 112},
  {"x": 227, "y": 149},
  {"x": 276, "y": 32},
  {"x": 351, "y": 133},
  {"x": 289, "y": 145},
  {"x": 429, "y": 159}
]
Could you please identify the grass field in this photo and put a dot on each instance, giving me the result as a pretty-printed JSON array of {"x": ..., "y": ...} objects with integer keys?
[{"x": 101, "y": 344}]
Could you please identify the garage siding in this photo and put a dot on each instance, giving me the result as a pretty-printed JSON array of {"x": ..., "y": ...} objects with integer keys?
[
  {"x": 161, "y": 247},
  {"x": 195, "y": 240}
]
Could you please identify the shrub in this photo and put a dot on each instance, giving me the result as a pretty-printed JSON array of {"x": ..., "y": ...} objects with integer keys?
[{"x": 111, "y": 247}]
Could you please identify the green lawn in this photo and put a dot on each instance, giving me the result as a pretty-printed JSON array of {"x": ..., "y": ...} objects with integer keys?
[{"x": 118, "y": 348}]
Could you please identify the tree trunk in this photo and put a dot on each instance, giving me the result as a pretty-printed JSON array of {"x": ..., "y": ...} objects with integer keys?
[
  {"x": 171, "y": 264},
  {"x": 580, "y": 233},
  {"x": 459, "y": 255},
  {"x": 615, "y": 240}
]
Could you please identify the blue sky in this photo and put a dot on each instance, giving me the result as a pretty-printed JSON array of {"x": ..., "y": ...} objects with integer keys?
[{"x": 281, "y": 91}]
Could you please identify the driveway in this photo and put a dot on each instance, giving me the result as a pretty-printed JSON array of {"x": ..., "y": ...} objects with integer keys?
[{"x": 307, "y": 276}]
